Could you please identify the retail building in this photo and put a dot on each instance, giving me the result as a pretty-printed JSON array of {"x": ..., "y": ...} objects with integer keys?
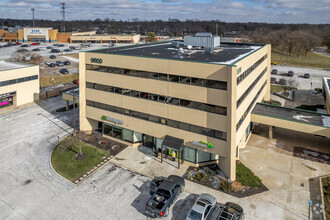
[{"x": 19, "y": 83}]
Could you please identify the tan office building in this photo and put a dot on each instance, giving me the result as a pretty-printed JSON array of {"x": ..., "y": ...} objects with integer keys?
[
  {"x": 148, "y": 93},
  {"x": 19, "y": 83}
]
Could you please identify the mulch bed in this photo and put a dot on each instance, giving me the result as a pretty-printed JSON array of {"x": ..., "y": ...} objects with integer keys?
[
  {"x": 97, "y": 140},
  {"x": 213, "y": 181},
  {"x": 311, "y": 155}
]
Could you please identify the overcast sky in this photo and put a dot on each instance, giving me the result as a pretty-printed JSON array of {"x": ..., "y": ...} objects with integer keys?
[{"x": 270, "y": 11}]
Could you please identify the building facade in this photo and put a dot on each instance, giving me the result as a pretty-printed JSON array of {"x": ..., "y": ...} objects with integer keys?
[
  {"x": 19, "y": 83},
  {"x": 142, "y": 93}
]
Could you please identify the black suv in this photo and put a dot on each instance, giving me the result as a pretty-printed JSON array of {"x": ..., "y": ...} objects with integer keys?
[
  {"x": 52, "y": 57},
  {"x": 64, "y": 71},
  {"x": 55, "y": 51},
  {"x": 274, "y": 72},
  {"x": 290, "y": 73},
  {"x": 66, "y": 62},
  {"x": 231, "y": 211}
]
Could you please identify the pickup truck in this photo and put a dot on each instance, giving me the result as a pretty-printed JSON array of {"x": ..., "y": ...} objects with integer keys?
[{"x": 164, "y": 195}]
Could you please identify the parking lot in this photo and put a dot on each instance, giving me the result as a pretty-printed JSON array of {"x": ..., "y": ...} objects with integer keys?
[{"x": 301, "y": 82}]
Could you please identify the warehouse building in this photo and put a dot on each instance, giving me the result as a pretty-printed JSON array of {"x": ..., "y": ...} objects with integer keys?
[
  {"x": 31, "y": 34},
  {"x": 19, "y": 83},
  {"x": 160, "y": 93}
]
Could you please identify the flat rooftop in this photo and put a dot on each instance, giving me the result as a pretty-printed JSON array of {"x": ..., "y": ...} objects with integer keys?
[
  {"x": 225, "y": 54},
  {"x": 5, "y": 65},
  {"x": 292, "y": 114}
]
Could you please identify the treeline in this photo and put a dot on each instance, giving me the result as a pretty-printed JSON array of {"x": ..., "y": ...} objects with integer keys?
[{"x": 290, "y": 38}]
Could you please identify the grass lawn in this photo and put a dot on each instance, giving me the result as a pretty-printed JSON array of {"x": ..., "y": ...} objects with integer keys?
[
  {"x": 278, "y": 88},
  {"x": 76, "y": 55},
  {"x": 246, "y": 177},
  {"x": 310, "y": 60},
  {"x": 48, "y": 80},
  {"x": 64, "y": 163},
  {"x": 326, "y": 194}
]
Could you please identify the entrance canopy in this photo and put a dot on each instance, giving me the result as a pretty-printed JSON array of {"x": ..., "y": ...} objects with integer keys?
[{"x": 174, "y": 144}]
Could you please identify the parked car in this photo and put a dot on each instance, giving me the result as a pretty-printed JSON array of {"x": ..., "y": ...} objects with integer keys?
[
  {"x": 49, "y": 47},
  {"x": 17, "y": 43},
  {"x": 290, "y": 73},
  {"x": 274, "y": 63},
  {"x": 60, "y": 45},
  {"x": 35, "y": 43},
  {"x": 52, "y": 57},
  {"x": 274, "y": 72},
  {"x": 66, "y": 62},
  {"x": 36, "y": 49},
  {"x": 47, "y": 62},
  {"x": 165, "y": 195},
  {"x": 272, "y": 80},
  {"x": 51, "y": 64},
  {"x": 55, "y": 51},
  {"x": 59, "y": 63},
  {"x": 67, "y": 50},
  {"x": 231, "y": 211},
  {"x": 202, "y": 208},
  {"x": 75, "y": 81},
  {"x": 1, "y": 46},
  {"x": 64, "y": 71},
  {"x": 155, "y": 183},
  {"x": 25, "y": 45},
  {"x": 307, "y": 75}
]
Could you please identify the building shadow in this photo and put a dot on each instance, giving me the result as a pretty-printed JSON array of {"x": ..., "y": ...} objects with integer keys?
[
  {"x": 52, "y": 104},
  {"x": 182, "y": 207},
  {"x": 140, "y": 201}
]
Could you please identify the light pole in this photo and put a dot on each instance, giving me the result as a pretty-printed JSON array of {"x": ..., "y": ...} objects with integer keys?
[{"x": 32, "y": 9}]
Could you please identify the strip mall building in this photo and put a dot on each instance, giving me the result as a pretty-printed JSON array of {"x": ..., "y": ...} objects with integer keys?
[
  {"x": 201, "y": 95},
  {"x": 44, "y": 34}
]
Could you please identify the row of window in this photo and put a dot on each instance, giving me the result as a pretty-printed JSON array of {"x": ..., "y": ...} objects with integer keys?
[
  {"x": 164, "y": 121},
  {"x": 250, "y": 106},
  {"x": 247, "y": 72},
  {"x": 247, "y": 92},
  {"x": 161, "y": 76},
  {"x": 19, "y": 80},
  {"x": 159, "y": 98}
]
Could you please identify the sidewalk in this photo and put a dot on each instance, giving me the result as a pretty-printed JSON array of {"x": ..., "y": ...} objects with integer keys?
[{"x": 286, "y": 177}]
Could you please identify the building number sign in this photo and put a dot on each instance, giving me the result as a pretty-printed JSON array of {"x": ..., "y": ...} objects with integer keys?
[{"x": 96, "y": 60}]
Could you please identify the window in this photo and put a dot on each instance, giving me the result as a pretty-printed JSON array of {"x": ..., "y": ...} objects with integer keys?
[
  {"x": 13, "y": 81},
  {"x": 153, "y": 118},
  {"x": 185, "y": 103},
  {"x": 174, "y": 78},
  {"x": 144, "y": 116},
  {"x": 144, "y": 95},
  {"x": 92, "y": 67},
  {"x": 203, "y": 156},
  {"x": 135, "y": 93},
  {"x": 172, "y": 123},
  {"x": 34, "y": 77},
  {"x": 196, "y": 82},
  {"x": 28, "y": 78},
  {"x": 189, "y": 154},
  {"x": 20, "y": 80},
  {"x": 196, "y": 129},
  {"x": 89, "y": 85},
  {"x": 89, "y": 103},
  {"x": 184, "y": 80},
  {"x": 184, "y": 126},
  {"x": 162, "y": 76},
  {"x": 100, "y": 87}
]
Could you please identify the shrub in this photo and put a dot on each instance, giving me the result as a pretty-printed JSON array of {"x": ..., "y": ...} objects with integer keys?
[
  {"x": 326, "y": 194},
  {"x": 225, "y": 186},
  {"x": 200, "y": 176},
  {"x": 246, "y": 176},
  {"x": 208, "y": 171}
]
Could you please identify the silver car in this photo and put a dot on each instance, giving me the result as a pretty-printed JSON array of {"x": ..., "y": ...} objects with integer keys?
[{"x": 202, "y": 208}]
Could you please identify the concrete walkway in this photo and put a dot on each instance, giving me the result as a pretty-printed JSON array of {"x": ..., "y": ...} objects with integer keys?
[{"x": 286, "y": 177}]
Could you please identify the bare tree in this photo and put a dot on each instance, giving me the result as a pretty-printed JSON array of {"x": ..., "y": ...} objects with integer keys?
[
  {"x": 287, "y": 85},
  {"x": 24, "y": 56}
]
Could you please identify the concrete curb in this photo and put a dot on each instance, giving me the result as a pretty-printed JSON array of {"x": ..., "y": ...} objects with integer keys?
[
  {"x": 86, "y": 175},
  {"x": 50, "y": 163},
  {"x": 322, "y": 196},
  {"x": 92, "y": 171}
]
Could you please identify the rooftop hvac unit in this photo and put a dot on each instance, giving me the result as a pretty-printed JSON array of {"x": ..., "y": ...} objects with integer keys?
[{"x": 202, "y": 40}]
